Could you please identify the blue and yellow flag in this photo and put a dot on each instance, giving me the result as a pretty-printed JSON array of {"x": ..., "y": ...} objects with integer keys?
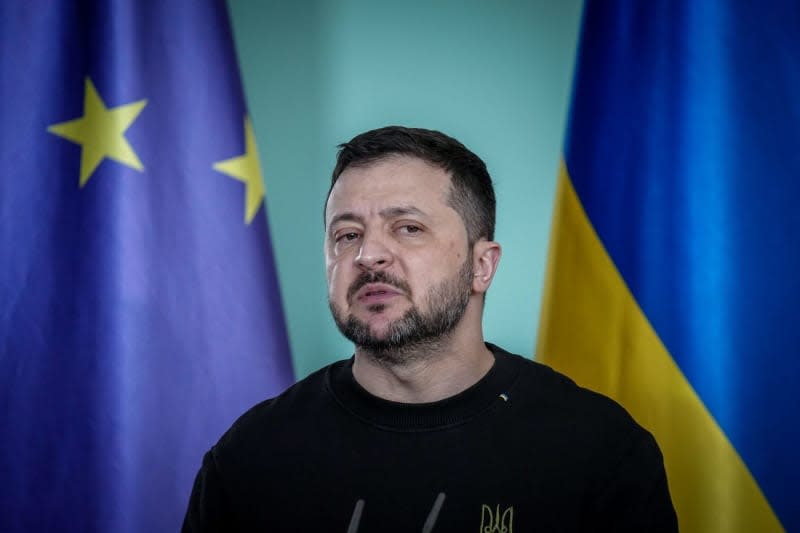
[
  {"x": 139, "y": 307},
  {"x": 673, "y": 280}
]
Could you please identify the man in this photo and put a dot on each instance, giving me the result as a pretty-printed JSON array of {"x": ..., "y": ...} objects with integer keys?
[{"x": 427, "y": 427}]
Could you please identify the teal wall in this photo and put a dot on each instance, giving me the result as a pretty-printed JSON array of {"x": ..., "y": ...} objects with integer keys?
[{"x": 494, "y": 74}]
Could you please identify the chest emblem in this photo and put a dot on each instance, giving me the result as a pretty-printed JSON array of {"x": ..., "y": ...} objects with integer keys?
[{"x": 495, "y": 521}]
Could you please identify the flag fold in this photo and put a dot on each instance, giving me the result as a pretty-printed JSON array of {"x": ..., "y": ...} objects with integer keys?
[
  {"x": 672, "y": 283},
  {"x": 139, "y": 303}
]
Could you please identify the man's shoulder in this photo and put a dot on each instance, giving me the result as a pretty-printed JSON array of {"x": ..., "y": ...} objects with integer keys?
[
  {"x": 594, "y": 437},
  {"x": 554, "y": 398},
  {"x": 570, "y": 421},
  {"x": 292, "y": 407}
]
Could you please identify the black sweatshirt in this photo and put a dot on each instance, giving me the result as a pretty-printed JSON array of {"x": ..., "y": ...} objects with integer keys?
[{"x": 522, "y": 450}]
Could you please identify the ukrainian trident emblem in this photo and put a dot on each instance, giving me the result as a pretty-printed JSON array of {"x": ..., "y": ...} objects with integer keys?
[{"x": 496, "y": 522}]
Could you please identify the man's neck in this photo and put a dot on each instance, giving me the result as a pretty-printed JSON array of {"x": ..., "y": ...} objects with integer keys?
[{"x": 428, "y": 373}]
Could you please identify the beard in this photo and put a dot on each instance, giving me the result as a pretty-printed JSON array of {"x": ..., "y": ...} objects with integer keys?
[{"x": 418, "y": 333}]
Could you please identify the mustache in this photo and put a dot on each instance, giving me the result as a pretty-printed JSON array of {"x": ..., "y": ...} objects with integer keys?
[{"x": 376, "y": 277}]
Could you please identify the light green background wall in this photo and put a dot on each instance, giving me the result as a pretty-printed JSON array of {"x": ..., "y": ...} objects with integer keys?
[{"x": 494, "y": 74}]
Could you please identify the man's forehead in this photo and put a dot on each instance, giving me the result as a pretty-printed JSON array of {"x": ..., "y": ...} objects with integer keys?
[
  {"x": 395, "y": 176},
  {"x": 397, "y": 184}
]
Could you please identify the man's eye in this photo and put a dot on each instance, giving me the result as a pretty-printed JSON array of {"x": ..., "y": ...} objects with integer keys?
[
  {"x": 347, "y": 237},
  {"x": 410, "y": 228}
]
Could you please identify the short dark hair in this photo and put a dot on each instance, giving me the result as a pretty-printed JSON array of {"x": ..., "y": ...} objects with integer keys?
[{"x": 471, "y": 190}]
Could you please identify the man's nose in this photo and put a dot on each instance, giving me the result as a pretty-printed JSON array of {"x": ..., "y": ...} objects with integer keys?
[{"x": 374, "y": 253}]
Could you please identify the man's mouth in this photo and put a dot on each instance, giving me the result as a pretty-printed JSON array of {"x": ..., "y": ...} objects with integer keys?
[
  {"x": 377, "y": 292},
  {"x": 370, "y": 293},
  {"x": 377, "y": 286}
]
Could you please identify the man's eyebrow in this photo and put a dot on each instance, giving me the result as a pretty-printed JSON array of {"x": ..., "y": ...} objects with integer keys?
[
  {"x": 393, "y": 212},
  {"x": 346, "y": 217},
  {"x": 389, "y": 212}
]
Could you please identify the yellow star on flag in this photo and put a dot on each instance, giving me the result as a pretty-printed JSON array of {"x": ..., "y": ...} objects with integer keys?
[
  {"x": 247, "y": 169},
  {"x": 101, "y": 132}
]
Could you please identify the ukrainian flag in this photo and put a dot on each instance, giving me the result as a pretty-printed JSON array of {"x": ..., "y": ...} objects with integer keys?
[{"x": 673, "y": 281}]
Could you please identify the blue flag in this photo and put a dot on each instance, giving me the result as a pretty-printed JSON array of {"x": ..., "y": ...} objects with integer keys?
[
  {"x": 139, "y": 305},
  {"x": 674, "y": 278}
]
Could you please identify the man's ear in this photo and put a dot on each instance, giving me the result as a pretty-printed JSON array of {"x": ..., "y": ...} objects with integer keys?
[{"x": 485, "y": 258}]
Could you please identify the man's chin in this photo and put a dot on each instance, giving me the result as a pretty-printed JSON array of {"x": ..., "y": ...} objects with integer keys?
[
  {"x": 380, "y": 322},
  {"x": 378, "y": 332},
  {"x": 371, "y": 333}
]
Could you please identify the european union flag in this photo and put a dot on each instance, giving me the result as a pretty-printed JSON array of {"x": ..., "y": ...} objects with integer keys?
[
  {"x": 139, "y": 306},
  {"x": 673, "y": 284}
]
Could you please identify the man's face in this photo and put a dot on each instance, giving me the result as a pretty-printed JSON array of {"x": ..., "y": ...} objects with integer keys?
[{"x": 398, "y": 265}]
